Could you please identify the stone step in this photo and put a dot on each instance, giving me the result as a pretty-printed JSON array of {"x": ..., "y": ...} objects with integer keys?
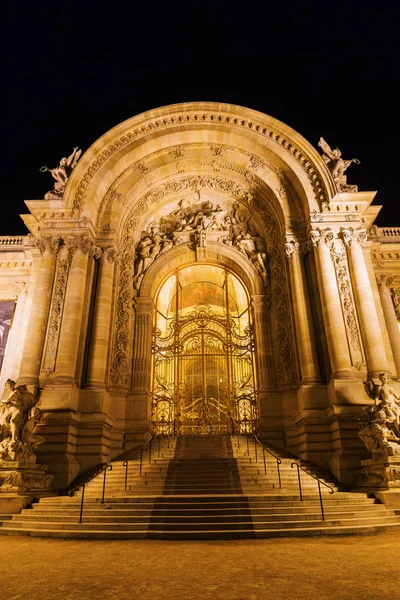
[
  {"x": 165, "y": 534},
  {"x": 166, "y": 517}
]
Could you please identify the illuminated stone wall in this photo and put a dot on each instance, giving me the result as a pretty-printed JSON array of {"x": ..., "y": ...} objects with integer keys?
[{"x": 181, "y": 185}]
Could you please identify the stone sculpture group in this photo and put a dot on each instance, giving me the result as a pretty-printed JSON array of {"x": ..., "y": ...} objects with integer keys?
[
  {"x": 196, "y": 220},
  {"x": 18, "y": 419},
  {"x": 379, "y": 427}
]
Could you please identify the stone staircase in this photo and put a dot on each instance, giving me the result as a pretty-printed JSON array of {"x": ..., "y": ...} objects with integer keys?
[{"x": 211, "y": 487}]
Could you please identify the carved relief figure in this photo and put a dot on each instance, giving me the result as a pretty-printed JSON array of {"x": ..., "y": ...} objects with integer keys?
[
  {"x": 62, "y": 173},
  {"x": 18, "y": 418},
  {"x": 380, "y": 424},
  {"x": 199, "y": 219},
  {"x": 337, "y": 166}
]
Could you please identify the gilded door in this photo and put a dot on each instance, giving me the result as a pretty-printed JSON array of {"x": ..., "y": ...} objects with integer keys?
[{"x": 203, "y": 373}]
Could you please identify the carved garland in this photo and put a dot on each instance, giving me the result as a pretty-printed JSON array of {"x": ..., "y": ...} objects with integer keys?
[{"x": 144, "y": 130}]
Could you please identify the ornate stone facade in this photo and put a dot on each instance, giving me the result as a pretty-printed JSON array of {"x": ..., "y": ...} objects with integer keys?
[{"x": 213, "y": 186}]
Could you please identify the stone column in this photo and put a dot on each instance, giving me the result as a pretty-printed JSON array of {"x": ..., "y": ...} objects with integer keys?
[
  {"x": 384, "y": 283},
  {"x": 140, "y": 405},
  {"x": 331, "y": 307},
  {"x": 144, "y": 308},
  {"x": 263, "y": 346},
  {"x": 69, "y": 342},
  {"x": 33, "y": 347},
  {"x": 15, "y": 332},
  {"x": 98, "y": 352},
  {"x": 368, "y": 318},
  {"x": 306, "y": 344}
]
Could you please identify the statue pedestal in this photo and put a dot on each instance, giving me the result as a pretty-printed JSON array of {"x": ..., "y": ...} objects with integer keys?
[
  {"x": 380, "y": 473},
  {"x": 23, "y": 476}
]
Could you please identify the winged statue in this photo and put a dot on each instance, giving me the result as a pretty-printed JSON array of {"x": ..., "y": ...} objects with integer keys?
[
  {"x": 62, "y": 173},
  {"x": 337, "y": 166}
]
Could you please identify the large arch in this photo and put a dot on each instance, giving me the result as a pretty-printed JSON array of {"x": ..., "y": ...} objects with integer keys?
[{"x": 199, "y": 183}]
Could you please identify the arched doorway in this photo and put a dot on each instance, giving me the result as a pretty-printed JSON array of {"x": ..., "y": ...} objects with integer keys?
[{"x": 203, "y": 354}]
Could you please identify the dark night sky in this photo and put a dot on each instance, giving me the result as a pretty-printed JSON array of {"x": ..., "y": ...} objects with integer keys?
[{"x": 71, "y": 71}]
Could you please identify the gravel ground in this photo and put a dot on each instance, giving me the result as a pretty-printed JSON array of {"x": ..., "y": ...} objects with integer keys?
[{"x": 342, "y": 567}]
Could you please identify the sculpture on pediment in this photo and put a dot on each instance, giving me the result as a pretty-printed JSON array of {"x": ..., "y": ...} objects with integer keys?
[
  {"x": 379, "y": 427},
  {"x": 337, "y": 166},
  {"x": 61, "y": 174},
  {"x": 193, "y": 222},
  {"x": 18, "y": 419}
]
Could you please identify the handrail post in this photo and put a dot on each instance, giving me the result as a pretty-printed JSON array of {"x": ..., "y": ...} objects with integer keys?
[
  {"x": 278, "y": 462},
  {"x": 298, "y": 476},
  {"x": 159, "y": 446},
  {"x": 104, "y": 482},
  {"x": 265, "y": 462},
  {"x": 125, "y": 464},
  {"x": 320, "y": 499},
  {"x": 141, "y": 462},
  {"x": 150, "y": 451},
  {"x": 255, "y": 449},
  {"x": 82, "y": 500},
  {"x": 247, "y": 442}
]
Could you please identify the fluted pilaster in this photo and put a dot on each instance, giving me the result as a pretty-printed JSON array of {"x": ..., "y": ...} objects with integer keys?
[
  {"x": 306, "y": 343},
  {"x": 33, "y": 347},
  {"x": 384, "y": 283},
  {"x": 331, "y": 306},
  {"x": 99, "y": 343},
  {"x": 368, "y": 318},
  {"x": 69, "y": 342}
]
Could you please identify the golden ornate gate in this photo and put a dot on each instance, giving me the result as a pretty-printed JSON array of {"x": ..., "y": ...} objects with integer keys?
[{"x": 203, "y": 373}]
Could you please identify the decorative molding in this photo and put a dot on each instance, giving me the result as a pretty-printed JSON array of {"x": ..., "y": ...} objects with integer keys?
[{"x": 205, "y": 117}]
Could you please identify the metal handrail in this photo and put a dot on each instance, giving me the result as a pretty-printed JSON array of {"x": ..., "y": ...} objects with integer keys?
[
  {"x": 104, "y": 470},
  {"x": 140, "y": 451},
  {"x": 332, "y": 491},
  {"x": 264, "y": 449}
]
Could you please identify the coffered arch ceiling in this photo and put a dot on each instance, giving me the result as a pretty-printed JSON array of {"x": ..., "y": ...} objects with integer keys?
[{"x": 197, "y": 150}]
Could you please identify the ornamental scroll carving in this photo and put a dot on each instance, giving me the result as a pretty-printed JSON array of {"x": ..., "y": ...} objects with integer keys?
[
  {"x": 63, "y": 264},
  {"x": 286, "y": 372},
  {"x": 340, "y": 261},
  {"x": 192, "y": 118}
]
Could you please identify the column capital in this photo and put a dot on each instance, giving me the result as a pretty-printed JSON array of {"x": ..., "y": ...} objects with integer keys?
[
  {"x": 110, "y": 254},
  {"x": 82, "y": 243},
  {"x": 47, "y": 244},
  {"x": 143, "y": 305},
  {"x": 384, "y": 280},
  {"x": 261, "y": 303},
  {"x": 320, "y": 235},
  {"x": 292, "y": 247},
  {"x": 349, "y": 235},
  {"x": 20, "y": 287}
]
